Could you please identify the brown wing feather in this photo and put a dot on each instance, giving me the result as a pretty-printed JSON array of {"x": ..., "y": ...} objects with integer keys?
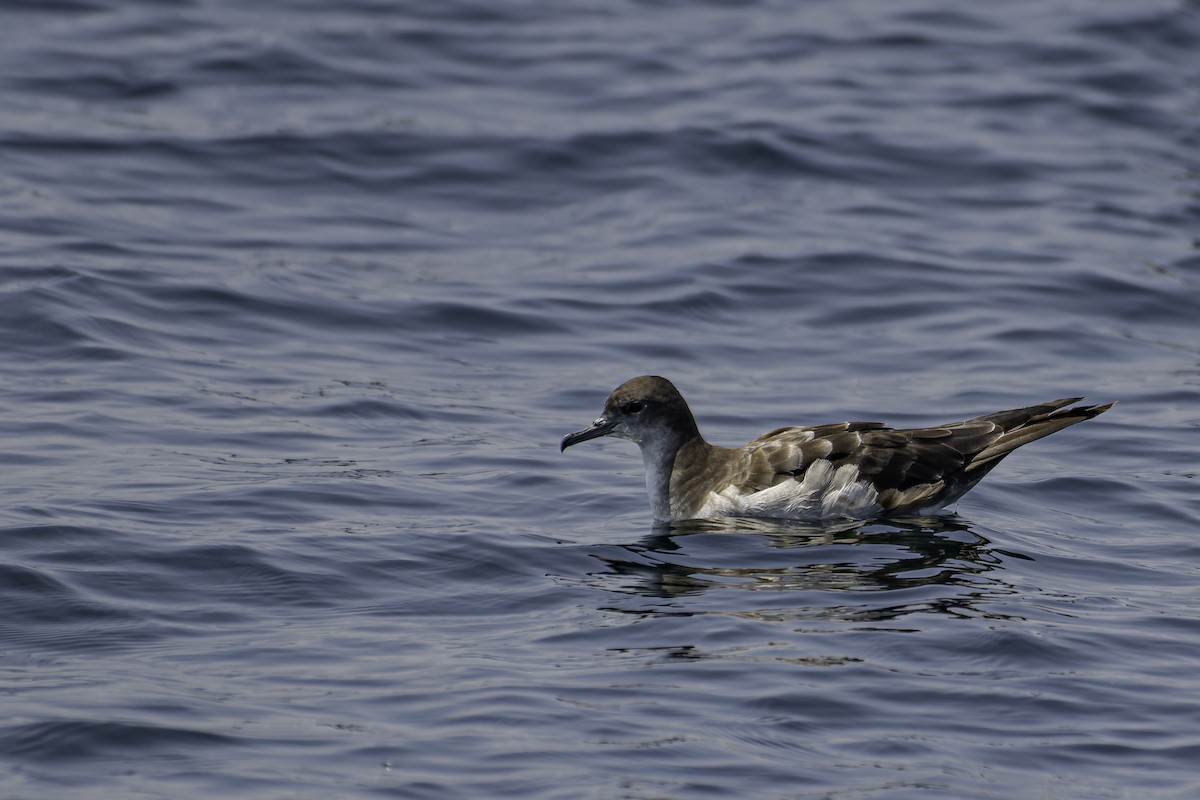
[
  {"x": 909, "y": 467},
  {"x": 1047, "y": 419}
]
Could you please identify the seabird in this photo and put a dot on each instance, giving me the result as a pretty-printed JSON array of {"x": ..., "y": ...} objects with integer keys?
[{"x": 854, "y": 470}]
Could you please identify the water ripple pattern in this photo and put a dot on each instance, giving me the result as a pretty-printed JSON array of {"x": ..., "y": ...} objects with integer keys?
[{"x": 297, "y": 298}]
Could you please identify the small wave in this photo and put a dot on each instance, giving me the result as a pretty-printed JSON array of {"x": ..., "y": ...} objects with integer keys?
[{"x": 57, "y": 740}]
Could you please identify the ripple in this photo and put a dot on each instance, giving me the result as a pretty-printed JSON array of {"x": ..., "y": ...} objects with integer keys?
[{"x": 89, "y": 739}]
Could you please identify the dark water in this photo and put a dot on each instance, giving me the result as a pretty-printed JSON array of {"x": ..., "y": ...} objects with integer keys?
[{"x": 297, "y": 298}]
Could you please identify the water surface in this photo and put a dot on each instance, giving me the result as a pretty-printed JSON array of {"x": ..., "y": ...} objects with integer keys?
[{"x": 296, "y": 302}]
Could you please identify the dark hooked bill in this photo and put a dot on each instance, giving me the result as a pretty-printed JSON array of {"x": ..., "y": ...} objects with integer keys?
[{"x": 600, "y": 427}]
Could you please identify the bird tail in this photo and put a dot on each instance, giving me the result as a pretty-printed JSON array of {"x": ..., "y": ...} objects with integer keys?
[{"x": 1024, "y": 425}]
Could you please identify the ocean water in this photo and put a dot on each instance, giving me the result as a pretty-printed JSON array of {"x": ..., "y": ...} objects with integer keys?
[{"x": 297, "y": 299}]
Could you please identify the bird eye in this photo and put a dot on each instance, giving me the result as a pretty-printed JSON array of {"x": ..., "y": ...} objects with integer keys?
[{"x": 633, "y": 407}]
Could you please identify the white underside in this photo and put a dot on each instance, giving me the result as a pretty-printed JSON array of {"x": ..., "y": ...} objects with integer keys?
[{"x": 822, "y": 493}]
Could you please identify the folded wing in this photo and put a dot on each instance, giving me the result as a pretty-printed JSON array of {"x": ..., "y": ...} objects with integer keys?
[{"x": 911, "y": 469}]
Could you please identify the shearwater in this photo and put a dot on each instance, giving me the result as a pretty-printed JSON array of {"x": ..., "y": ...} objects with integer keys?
[{"x": 853, "y": 470}]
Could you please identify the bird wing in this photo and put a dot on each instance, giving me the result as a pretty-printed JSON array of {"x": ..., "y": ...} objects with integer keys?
[{"x": 908, "y": 467}]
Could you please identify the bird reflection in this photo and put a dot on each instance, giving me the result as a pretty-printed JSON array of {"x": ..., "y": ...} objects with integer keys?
[{"x": 875, "y": 570}]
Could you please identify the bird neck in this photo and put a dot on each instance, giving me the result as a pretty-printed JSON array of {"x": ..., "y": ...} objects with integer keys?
[{"x": 663, "y": 460}]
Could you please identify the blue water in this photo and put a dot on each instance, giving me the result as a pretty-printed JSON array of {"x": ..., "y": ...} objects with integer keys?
[{"x": 297, "y": 298}]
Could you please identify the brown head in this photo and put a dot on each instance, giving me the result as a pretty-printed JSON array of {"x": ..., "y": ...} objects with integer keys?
[{"x": 648, "y": 409}]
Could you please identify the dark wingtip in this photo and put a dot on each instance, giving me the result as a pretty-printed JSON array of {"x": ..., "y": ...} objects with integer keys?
[{"x": 1084, "y": 412}]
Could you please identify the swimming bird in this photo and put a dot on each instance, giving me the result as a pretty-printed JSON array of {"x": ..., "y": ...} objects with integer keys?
[{"x": 854, "y": 470}]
